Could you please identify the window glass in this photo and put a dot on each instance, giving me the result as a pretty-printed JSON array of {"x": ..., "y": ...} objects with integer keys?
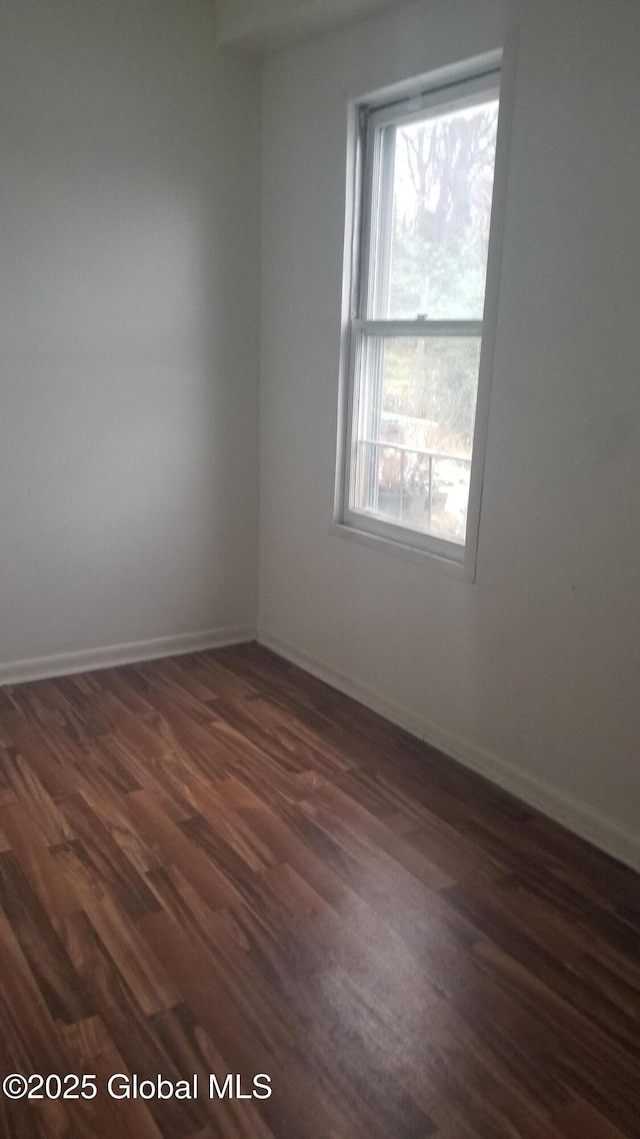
[
  {"x": 440, "y": 213},
  {"x": 414, "y": 451}
]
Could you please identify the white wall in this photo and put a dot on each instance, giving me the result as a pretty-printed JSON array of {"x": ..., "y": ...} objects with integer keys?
[
  {"x": 531, "y": 672},
  {"x": 129, "y": 219}
]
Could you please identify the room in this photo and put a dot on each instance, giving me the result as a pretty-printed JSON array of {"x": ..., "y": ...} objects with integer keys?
[{"x": 319, "y": 611}]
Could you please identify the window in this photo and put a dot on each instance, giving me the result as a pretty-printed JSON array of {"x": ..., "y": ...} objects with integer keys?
[{"x": 427, "y": 169}]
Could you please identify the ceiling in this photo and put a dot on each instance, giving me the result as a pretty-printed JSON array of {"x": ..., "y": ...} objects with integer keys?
[{"x": 264, "y": 25}]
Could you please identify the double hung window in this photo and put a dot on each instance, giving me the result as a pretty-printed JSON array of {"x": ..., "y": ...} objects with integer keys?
[{"x": 426, "y": 184}]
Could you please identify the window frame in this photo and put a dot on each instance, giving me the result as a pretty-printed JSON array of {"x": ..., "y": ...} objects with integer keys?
[{"x": 442, "y": 91}]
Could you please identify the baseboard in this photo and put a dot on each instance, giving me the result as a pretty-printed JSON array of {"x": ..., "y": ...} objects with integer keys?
[
  {"x": 557, "y": 805},
  {"x": 87, "y": 660}
]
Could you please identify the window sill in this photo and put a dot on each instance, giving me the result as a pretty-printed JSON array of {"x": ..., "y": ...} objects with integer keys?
[{"x": 425, "y": 558}]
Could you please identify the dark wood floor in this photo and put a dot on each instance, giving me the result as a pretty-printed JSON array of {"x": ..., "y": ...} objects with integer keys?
[{"x": 216, "y": 864}]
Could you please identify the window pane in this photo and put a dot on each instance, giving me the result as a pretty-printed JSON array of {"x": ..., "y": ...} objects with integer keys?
[
  {"x": 415, "y": 417},
  {"x": 435, "y": 206}
]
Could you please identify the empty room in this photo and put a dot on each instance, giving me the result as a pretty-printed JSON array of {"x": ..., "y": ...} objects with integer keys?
[{"x": 319, "y": 569}]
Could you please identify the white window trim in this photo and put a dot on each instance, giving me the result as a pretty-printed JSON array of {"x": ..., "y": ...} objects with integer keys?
[{"x": 375, "y": 533}]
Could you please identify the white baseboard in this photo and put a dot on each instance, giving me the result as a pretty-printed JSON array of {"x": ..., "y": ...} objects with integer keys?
[
  {"x": 87, "y": 660},
  {"x": 557, "y": 805}
]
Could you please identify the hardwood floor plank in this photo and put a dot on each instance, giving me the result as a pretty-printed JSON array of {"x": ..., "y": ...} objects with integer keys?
[
  {"x": 37, "y": 862},
  {"x": 127, "y": 1026},
  {"x": 500, "y": 924},
  {"x": 136, "y": 962},
  {"x": 174, "y": 848},
  {"x": 92, "y": 1050},
  {"x": 17, "y": 1119},
  {"x": 218, "y": 864},
  {"x": 40, "y": 944},
  {"x": 28, "y": 1028},
  {"x": 237, "y": 1008},
  {"x": 29, "y": 790},
  {"x": 109, "y": 865},
  {"x": 191, "y": 1049}
]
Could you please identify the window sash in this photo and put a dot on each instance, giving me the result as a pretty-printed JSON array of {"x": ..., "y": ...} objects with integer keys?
[
  {"x": 403, "y": 535},
  {"x": 359, "y": 415},
  {"x": 438, "y": 100},
  {"x": 378, "y": 139},
  {"x": 417, "y": 328}
]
